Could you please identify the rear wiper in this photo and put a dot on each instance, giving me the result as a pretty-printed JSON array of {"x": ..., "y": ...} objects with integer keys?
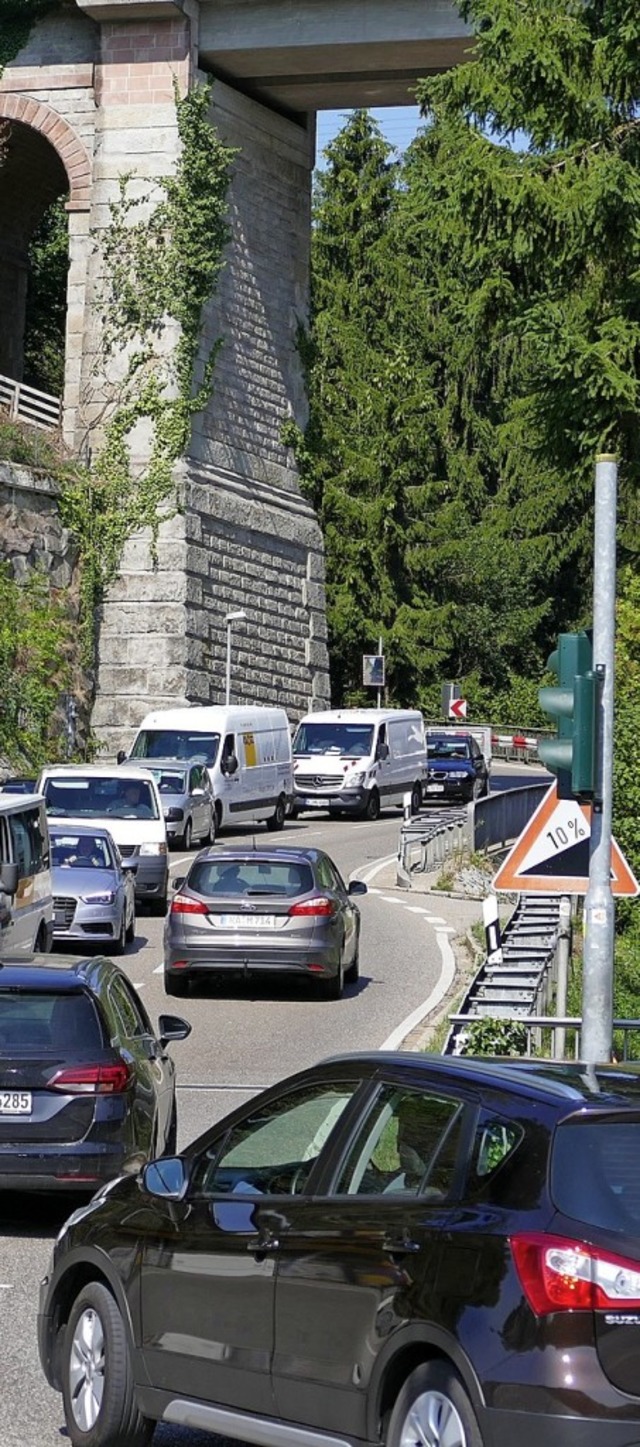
[{"x": 258, "y": 893}]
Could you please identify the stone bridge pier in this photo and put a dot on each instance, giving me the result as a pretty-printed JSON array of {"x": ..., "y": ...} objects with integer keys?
[{"x": 89, "y": 99}]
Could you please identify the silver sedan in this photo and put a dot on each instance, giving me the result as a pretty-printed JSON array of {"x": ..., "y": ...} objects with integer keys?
[{"x": 93, "y": 888}]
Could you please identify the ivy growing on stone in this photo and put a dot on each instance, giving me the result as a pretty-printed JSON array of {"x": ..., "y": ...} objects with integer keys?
[
  {"x": 17, "y": 19},
  {"x": 162, "y": 257}
]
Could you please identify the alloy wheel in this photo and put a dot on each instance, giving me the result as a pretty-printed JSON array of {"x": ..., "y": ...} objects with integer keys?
[
  {"x": 432, "y": 1421},
  {"x": 86, "y": 1369}
]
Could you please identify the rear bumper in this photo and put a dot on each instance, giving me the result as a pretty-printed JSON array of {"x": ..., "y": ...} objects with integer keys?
[
  {"x": 246, "y": 956},
  {"x": 39, "y": 1169},
  {"x": 530, "y": 1429}
]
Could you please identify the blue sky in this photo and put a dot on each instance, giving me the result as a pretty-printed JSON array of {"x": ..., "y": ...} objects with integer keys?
[{"x": 399, "y": 125}]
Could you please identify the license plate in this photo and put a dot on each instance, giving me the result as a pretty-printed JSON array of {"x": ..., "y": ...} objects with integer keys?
[
  {"x": 58, "y": 917},
  {"x": 435, "y": 788},
  {"x": 15, "y": 1102},
  {"x": 244, "y": 921},
  {"x": 317, "y": 803}
]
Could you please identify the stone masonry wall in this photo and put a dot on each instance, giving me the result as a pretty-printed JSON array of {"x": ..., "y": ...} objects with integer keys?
[{"x": 31, "y": 533}]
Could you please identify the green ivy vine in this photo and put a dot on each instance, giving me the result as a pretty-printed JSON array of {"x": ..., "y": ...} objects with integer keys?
[
  {"x": 162, "y": 258},
  {"x": 17, "y": 19}
]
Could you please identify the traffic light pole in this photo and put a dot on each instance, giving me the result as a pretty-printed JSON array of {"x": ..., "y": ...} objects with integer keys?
[{"x": 597, "y": 979}]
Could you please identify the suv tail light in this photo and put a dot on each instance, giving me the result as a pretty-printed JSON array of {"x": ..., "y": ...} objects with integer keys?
[
  {"x": 558, "y": 1274},
  {"x": 184, "y": 904},
  {"x": 111, "y": 1079},
  {"x": 321, "y": 907}
]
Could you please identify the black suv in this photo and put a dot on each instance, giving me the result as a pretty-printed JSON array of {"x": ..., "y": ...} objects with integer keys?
[{"x": 387, "y": 1248}]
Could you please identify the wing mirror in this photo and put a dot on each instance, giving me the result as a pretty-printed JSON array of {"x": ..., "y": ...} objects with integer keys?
[
  {"x": 229, "y": 765},
  {"x": 121, "y": 756},
  {"x": 383, "y": 751},
  {"x": 357, "y": 886},
  {"x": 178, "y": 883},
  {"x": 130, "y": 864},
  {"x": 9, "y": 877},
  {"x": 172, "y": 1027},
  {"x": 166, "y": 1178}
]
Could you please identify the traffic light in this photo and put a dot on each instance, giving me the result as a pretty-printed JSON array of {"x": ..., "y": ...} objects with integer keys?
[{"x": 573, "y": 754}]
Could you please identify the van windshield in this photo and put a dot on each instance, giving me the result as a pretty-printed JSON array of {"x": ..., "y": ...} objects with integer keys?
[
  {"x": 176, "y": 744},
  {"x": 82, "y": 797},
  {"x": 355, "y": 741}
]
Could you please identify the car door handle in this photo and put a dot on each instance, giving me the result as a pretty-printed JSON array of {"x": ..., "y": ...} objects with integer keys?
[
  {"x": 264, "y": 1245},
  {"x": 400, "y": 1245}
]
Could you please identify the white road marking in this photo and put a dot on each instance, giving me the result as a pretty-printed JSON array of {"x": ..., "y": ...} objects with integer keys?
[
  {"x": 183, "y": 860},
  {"x": 447, "y": 976},
  {"x": 367, "y": 874},
  {"x": 391, "y": 899},
  {"x": 436, "y": 919},
  {"x": 159, "y": 969},
  {"x": 6, "y": 1286},
  {"x": 139, "y": 985},
  {"x": 415, "y": 909}
]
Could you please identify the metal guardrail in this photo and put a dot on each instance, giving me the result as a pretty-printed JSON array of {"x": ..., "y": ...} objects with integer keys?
[
  {"x": 536, "y": 1025},
  {"x": 497, "y": 820},
  {"x": 433, "y": 835},
  {"x": 518, "y": 980},
  {"x": 39, "y": 409}
]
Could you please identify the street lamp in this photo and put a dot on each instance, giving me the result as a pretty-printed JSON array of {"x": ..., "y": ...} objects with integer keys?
[{"x": 229, "y": 619}]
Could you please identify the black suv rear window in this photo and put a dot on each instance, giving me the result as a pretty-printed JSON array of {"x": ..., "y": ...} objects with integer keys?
[
  {"x": 595, "y": 1173},
  {"x": 36, "y": 1021}
]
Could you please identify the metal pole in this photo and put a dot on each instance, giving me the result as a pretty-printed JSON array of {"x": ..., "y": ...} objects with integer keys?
[
  {"x": 597, "y": 978},
  {"x": 227, "y": 694},
  {"x": 379, "y": 690},
  {"x": 563, "y": 956}
]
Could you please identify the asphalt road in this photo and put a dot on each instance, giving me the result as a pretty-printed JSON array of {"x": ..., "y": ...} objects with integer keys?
[{"x": 244, "y": 1036}]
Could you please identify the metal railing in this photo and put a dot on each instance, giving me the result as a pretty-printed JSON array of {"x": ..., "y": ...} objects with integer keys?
[
  {"x": 434, "y": 835},
  {"x": 39, "y": 409},
  {"x": 518, "y": 980},
  {"x": 538, "y": 1025}
]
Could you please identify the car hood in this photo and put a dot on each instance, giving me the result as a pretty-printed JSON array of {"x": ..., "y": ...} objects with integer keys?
[{"x": 70, "y": 879}]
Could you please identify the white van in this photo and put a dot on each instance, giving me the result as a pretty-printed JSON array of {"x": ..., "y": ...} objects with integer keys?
[
  {"x": 353, "y": 760},
  {"x": 26, "y": 912},
  {"x": 127, "y": 803},
  {"x": 247, "y": 752}
]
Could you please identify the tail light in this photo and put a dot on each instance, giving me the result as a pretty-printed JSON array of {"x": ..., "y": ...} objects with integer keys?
[
  {"x": 320, "y": 907},
  {"x": 112, "y": 1079},
  {"x": 558, "y": 1274},
  {"x": 184, "y": 904}
]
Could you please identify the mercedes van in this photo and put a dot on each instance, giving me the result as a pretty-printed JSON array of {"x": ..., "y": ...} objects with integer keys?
[
  {"x": 247, "y": 751},
  {"x": 354, "y": 760},
  {"x": 127, "y": 803},
  {"x": 26, "y": 911}
]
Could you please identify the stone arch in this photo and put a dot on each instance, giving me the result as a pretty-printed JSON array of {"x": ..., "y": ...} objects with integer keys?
[{"x": 61, "y": 136}]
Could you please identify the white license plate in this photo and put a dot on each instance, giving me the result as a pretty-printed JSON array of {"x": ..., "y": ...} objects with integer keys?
[
  {"x": 317, "y": 803},
  {"x": 435, "y": 788},
  {"x": 244, "y": 921},
  {"x": 15, "y": 1102}
]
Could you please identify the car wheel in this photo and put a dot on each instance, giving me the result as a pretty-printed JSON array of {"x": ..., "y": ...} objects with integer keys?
[
  {"x": 97, "y": 1380},
  {"x": 276, "y": 822},
  {"x": 186, "y": 838},
  {"x": 120, "y": 944},
  {"x": 372, "y": 807},
  {"x": 131, "y": 927},
  {"x": 416, "y": 799},
  {"x": 218, "y": 816},
  {"x": 210, "y": 836},
  {"x": 40, "y": 946},
  {"x": 176, "y": 985},
  {"x": 433, "y": 1408},
  {"x": 353, "y": 972},
  {"x": 332, "y": 988},
  {"x": 171, "y": 1144}
]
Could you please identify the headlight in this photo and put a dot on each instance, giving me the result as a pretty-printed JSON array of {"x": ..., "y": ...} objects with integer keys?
[
  {"x": 357, "y": 778},
  {"x": 153, "y": 848},
  {"x": 107, "y": 898}
]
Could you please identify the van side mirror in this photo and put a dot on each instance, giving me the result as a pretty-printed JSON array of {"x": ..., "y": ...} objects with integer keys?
[
  {"x": 121, "y": 756},
  {"x": 383, "y": 751},
  {"x": 9, "y": 877},
  {"x": 229, "y": 765}
]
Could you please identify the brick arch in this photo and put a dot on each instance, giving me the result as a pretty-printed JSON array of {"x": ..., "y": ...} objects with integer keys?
[{"x": 61, "y": 136}]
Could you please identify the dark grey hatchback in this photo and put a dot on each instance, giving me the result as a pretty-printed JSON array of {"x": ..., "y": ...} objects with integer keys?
[
  {"x": 87, "y": 1088},
  {"x": 386, "y": 1249}
]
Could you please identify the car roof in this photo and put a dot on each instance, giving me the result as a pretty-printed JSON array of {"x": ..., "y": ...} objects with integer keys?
[
  {"x": 96, "y": 771},
  {"x": 57, "y": 972},
  {"x": 91, "y": 831},
  {"x": 245, "y": 852},
  {"x": 569, "y": 1082},
  {"x": 166, "y": 763}
]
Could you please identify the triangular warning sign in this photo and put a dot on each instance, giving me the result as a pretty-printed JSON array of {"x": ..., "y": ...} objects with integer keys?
[{"x": 552, "y": 854}]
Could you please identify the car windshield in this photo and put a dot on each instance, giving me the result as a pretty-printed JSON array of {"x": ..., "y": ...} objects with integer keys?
[
  {"x": 353, "y": 740},
  {"x": 176, "y": 744},
  {"x": 595, "y": 1173},
  {"x": 170, "y": 781},
  {"x": 250, "y": 877},
  {"x": 37, "y": 1021},
  {"x": 81, "y": 851},
  {"x": 82, "y": 797},
  {"x": 448, "y": 748},
  {"x": 18, "y": 786}
]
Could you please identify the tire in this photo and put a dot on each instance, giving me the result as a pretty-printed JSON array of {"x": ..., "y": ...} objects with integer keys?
[
  {"x": 171, "y": 1144},
  {"x": 352, "y": 974},
  {"x": 120, "y": 944},
  {"x": 372, "y": 807},
  {"x": 276, "y": 822},
  {"x": 40, "y": 946},
  {"x": 416, "y": 799},
  {"x": 210, "y": 836},
  {"x": 434, "y": 1397},
  {"x": 332, "y": 988},
  {"x": 176, "y": 985},
  {"x": 186, "y": 838},
  {"x": 218, "y": 817},
  {"x": 100, "y": 1409},
  {"x": 131, "y": 927}
]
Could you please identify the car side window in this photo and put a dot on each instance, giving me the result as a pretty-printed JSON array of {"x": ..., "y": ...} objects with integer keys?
[
  {"x": 127, "y": 1010},
  {"x": 194, "y": 780},
  {"x": 408, "y": 1144},
  {"x": 274, "y": 1150},
  {"x": 28, "y": 842},
  {"x": 495, "y": 1141}
]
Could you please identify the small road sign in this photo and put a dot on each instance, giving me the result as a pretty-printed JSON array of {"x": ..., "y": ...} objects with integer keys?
[
  {"x": 552, "y": 854},
  {"x": 458, "y": 708}
]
